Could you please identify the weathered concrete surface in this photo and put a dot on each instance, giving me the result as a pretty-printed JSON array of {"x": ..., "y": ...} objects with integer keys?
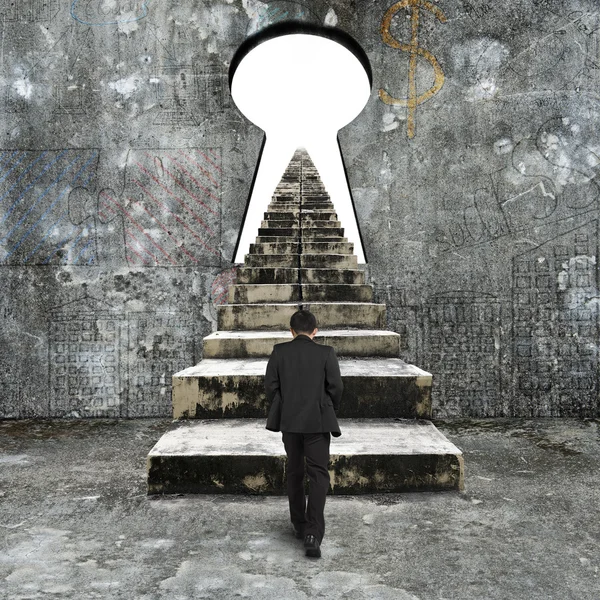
[
  {"x": 480, "y": 222},
  {"x": 292, "y": 222},
  {"x": 244, "y": 293},
  {"x": 281, "y": 275},
  {"x": 307, "y": 261},
  {"x": 234, "y": 388},
  {"x": 347, "y": 342},
  {"x": 75, "y": 522},
  {"x": 360, "y": 315},
  {"x": 291, "y": 247},
  {"x": 235, "y": 456}
]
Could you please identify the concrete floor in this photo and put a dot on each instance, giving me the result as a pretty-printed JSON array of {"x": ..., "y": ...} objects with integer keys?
[{"x": 75, "y": 522}]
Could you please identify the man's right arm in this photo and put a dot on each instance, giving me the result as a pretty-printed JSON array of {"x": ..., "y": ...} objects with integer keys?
[
  {"x": 272, "y": 378},
  {"x": 333, "y": 379}
]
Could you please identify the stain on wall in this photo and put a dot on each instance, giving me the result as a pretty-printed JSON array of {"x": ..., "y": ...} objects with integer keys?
[{"x": 125, "y": 169}]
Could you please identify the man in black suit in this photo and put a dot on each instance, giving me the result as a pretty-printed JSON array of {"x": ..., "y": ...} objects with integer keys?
[{"x": 304, "y": 386}]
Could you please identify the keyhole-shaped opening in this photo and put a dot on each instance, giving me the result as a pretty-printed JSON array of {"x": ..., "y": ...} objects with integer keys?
[{"x": 301, "y": 89}]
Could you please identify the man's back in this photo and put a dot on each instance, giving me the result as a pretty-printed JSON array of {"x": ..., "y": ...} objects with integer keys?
[{"x": 306, "y": 376}]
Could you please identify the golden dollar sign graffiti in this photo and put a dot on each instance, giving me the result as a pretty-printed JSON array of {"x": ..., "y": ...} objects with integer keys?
[{"x": 415, "y": 50}]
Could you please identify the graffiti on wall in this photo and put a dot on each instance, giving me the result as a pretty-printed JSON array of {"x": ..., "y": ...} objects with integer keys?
[
  {"x": 414, "y": 51},
  {"x": 461, "y": 345},
  {"x": 86, "y": 349},
  {"x": 556, "y": 326},
  {"x": 169, "y": 213},
  {"x": 171, "y": 207},
  {"x": 35, "y": 223},
  {"x": 106, "y": 363},
  {"x": 531, "y": 350},
  {"x": 29, "y": 11},
  {"x": 549, "y": 178},
  {"x": 187, "y": 94},
  {"x": 98, "y": 14}
]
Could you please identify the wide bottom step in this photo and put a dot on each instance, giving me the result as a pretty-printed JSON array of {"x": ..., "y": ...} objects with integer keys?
[{"x": 239, "y": 456}]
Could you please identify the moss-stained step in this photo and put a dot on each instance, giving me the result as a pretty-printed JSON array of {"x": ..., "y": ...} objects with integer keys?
[
  {"x": 311, "y": 232},
  {"x": 312, "y": 215},
  {"x": 242, "y": 457},
  {"x": 307, "y": 261},
  {"x": 285, "y": 275},
  {"x": 359, "y": 315},
  {"x": 256, "y": 344},
  {"x": 319, "y": 223},
  {"x": 232, "y": 388},
  {"x": 304, "y": 208},
  {"x": 308, "y": 247},
  {"x": 282, "y": 239},
  {"x": 251, "y": 293}
]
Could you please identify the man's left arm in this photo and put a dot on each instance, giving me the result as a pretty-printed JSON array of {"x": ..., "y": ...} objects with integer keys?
[{"x": 333, "y": 379}]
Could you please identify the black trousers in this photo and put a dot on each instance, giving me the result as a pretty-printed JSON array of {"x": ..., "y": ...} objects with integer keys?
[{"x": 314, "y": 447}]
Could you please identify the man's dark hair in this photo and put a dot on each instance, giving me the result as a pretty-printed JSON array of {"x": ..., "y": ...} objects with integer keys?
[{"x": 303, "y": 321}]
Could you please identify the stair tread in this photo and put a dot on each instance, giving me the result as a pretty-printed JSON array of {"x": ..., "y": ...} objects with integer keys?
[
  {"x": 286, "y": 335},
  {"x": 264, "y": 305},
  {"x": 349, "y": 367},
  {"x": 244, "y": 437}
]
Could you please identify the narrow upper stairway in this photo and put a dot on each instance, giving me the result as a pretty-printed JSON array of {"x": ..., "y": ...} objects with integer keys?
[{"x": 301, "y": 260}]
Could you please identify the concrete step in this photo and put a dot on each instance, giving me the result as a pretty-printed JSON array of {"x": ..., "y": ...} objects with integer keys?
[
  {"x": 257, "y": 293},
  {"x": 240, "y": 456},
  {"x": 305, "y": 207},
  {"x": 300, "y": 223},
  {"x": 254, "y": 293},
  {"x": 289, "y": 232},
  {"x": 308, "y": 247},
  {"x": 336, "y": 292},
  {"x": 290, "y": 261},
  {"x": 319, "y": 215},
  {"x": 315, "y": 233},
  {"x": 256, "y": 344},
  {"x": 234, "y": 388},
  {"x": 266, "y": 239},
  {"x": 283, "y": 275},
  {"x": 307, "y": 261},
  {"x": 293, "y": 194},
  {"x": 273, "y": 316}
]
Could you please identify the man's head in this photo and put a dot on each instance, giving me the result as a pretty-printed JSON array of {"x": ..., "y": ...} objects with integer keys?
[{"x": 303, "y": 322}]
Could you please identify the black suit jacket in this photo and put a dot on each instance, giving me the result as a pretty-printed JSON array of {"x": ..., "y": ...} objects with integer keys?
[{"x": 304, "y": 378}]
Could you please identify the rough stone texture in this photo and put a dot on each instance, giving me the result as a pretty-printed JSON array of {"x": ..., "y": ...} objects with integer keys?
[
  {"x": 249, "y": 344},
  {"x": 371, "y": 456},
  {"x": 360, "y": 315},
  {"x": 384, "y": 388},
  {"x": 75, "y": 522},
  {"x": 481, "y": 230}
]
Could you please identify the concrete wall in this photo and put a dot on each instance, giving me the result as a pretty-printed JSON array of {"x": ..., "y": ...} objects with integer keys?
[{"x": 125, "y": 169}]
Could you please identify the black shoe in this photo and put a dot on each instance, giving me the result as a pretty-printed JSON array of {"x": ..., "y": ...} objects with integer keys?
[
  {"x": 298, "y": 533},
  {"x": 312, "y": 546}
]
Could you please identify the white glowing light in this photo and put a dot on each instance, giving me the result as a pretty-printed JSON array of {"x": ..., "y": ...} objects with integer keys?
[{"x": 301, "y": 90}]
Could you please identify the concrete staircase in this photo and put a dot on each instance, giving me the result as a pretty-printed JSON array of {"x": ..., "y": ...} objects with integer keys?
[{"x": 301, "y": 259}]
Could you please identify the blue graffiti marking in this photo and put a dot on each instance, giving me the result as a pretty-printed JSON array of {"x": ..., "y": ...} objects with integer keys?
[
  {"x": 12, "y": 168},
  {"x": 14, "y": 185},
  {"x": 144, "y": 7},
  {"x": 82, "y": 251},
  {"x": 22, "y": 194},
  {"x": 73, "y": 244},
  {"x": 60, "y": 245},
  {"x": 44, "y": 238},
  {"x": 37, "y": 201},
  {"x": 84, "y": 168}
]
